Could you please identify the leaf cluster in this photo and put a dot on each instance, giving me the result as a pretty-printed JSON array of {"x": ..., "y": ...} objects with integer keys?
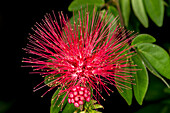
[{"x": 153, "y": 61}]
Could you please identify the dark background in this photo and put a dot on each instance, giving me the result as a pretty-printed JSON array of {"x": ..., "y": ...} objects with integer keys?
[{"x": 16, "y": 84}]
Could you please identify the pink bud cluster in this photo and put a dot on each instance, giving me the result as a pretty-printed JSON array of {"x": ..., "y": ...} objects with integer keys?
[{"x": 79, "y": 94}]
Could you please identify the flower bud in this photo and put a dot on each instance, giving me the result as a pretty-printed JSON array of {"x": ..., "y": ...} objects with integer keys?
[
  {"x": 80, "y": 102},
  {"x": 71, "y": 95},
  {"x": 76, "y": 104},
  {"x": 76, "y": 99},
  {"x": 81, "y": 93},
  {"x": 88, "y": 99},
  {"x": 69, "y": 100}
]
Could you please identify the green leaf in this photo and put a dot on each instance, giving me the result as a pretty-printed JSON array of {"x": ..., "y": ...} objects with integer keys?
[
  {"x": 157, "y": 57},
  {"x": 69, "y": 108},
  {"x": 93, "y": 101},
  {"x": 94, "y": 111},
  {"x": 83, "y": 12},
  {"x": 56, "y": 104},
  {"x": 155, "y": 89},
  {"x": 113, "y": 10},
  {"x": 155, "y": 9},
  {"x": 78, "y": 4},
  {"x": 151, "y": 68},
  {"x": 143, "y": 38},
  {"x": 89, "y": 106},
  {"x": 125, "y": 7},
  {"x": 97, "y": 106},
  {"x": 139, "y": 11},
  {"x": 141, "y": 79},
  {"x": 126, "y": 93}
]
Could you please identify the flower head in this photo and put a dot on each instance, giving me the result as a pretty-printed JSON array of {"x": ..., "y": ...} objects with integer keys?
[{"x": 90, "y": 53}]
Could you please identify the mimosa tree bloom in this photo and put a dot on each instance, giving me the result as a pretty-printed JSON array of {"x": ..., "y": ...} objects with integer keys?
[{"x": 81, "y": 57}]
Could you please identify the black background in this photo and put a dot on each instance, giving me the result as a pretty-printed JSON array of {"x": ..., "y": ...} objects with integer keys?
[{"x": 16, "y": 84}]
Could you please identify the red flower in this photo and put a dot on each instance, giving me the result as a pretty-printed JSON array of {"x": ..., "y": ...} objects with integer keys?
[{"x": 90, "y": 54}]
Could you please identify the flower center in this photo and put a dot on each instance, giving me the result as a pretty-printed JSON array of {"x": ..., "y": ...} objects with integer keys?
[{"x": 81, "y": 67}]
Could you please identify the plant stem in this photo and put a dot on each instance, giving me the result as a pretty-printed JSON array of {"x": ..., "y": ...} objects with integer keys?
[{"x": 119, "y": 11}]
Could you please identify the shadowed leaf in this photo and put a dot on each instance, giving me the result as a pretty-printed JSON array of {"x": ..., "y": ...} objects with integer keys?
[
  {"x": 139, "y": 11},
  {"x": 155, "y": 9},
  {"x": 141, "y": 79}
]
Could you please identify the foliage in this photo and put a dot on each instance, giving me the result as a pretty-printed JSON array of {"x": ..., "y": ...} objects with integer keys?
[{"x": 149, "y": 58}]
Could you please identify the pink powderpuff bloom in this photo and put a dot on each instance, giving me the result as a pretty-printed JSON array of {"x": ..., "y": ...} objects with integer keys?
[{"x": 91, "y": 52}]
